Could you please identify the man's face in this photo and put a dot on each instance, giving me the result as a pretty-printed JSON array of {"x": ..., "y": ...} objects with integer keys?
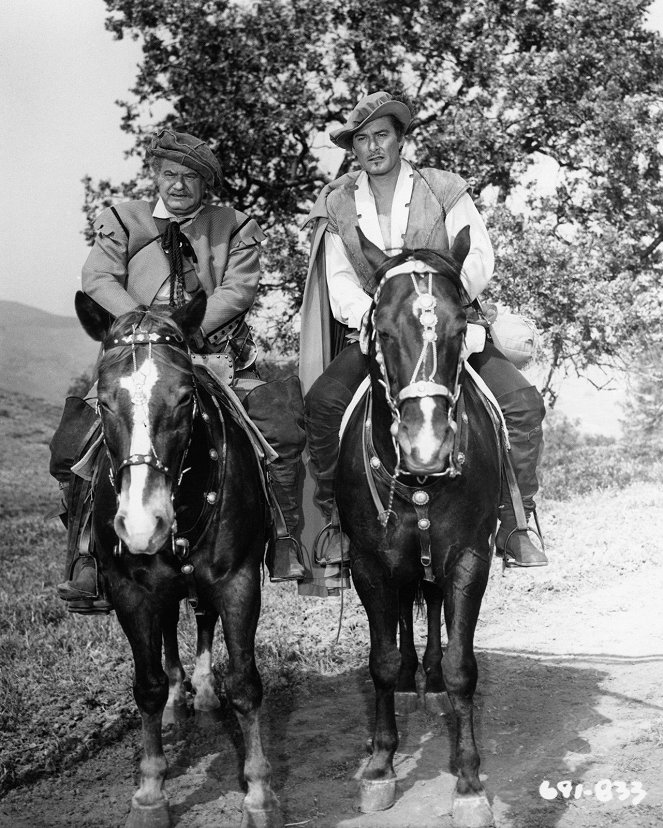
[
  {"x": 181, "y": 188},
  {"x": 377, "y": 146}
]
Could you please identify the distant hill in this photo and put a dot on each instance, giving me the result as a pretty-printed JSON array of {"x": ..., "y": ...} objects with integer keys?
[{"x": 41, "y": 353}]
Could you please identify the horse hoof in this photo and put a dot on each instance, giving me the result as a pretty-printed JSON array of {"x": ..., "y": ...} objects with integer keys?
[
  {"x": 149, "y": 816},
  {"x": 472, "y": 811},
  {"x": 262, "y": 818},
  {"x": 438, "y": 704},
  {"x": 376, "y": 795},
  {"x": 405, "y": 702}
]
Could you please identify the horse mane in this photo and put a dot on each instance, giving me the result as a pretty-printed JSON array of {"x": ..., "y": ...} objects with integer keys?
[
  {"x": 143, "y": 315},
  {"x": 442, "y": 263}
]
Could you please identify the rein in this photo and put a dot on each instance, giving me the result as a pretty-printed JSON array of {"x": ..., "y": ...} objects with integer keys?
[
  {"x": 422, "y": 384},
  {"x": 133, "y": 340},
  {"x": 419, "y": 496},
  {"x": 181, "y": 546}
]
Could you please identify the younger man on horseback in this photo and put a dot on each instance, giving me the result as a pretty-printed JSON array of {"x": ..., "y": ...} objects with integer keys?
[
  {"x": 162, "y": 252},
  {"x": 396, "y": 206}
]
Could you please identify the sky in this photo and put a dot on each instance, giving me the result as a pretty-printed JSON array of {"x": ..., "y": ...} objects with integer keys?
[{"x": 60, "y": 75}]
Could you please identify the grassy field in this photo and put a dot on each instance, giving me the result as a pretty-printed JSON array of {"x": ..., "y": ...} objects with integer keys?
[{"x": 65, "y": 681}]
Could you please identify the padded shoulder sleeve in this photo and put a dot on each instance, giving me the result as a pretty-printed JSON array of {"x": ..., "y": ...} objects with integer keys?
[
  {"x": 447, "y": 186},
  {"x": 247, "y": 233}
]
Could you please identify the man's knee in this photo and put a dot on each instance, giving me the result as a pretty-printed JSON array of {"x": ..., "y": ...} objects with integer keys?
[
  {"x": 277, "y": 409},
  {"x": 523, "y": 409},
  {"x": 326, "y": 397}
]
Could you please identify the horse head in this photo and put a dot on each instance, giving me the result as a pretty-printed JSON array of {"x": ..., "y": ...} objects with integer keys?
[
  {"x": 413, "y": 336},
  {"x": 147, "y": 401}
]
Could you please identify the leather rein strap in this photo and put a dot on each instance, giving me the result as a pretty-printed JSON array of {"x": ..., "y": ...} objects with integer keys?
[
  {"x": 182, "y": 547},
  {"x": 418, "y": 496}
]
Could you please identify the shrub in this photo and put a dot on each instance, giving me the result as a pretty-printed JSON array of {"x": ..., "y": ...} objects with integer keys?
[{"x": 574, "y": 463}]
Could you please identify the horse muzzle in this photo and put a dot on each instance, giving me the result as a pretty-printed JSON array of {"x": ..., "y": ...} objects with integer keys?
[
  {"x": 426, "y": 437},
  {"x": 144, "y": 520}
]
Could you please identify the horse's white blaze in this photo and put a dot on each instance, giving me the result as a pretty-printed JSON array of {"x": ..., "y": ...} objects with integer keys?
[
  {"x": 426, "y": 443},
  {"x": 139, "y": 521}
]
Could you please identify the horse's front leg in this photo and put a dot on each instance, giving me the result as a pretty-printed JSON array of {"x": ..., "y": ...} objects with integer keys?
[
  {"x": 380, "y": 600},
  {"x": 462, "y": 600},
  {"x": 435, "y": 695},
  {"x": 142, "y": 626},
  {"x": 406, "y": 698},
  {"x": 203, "y": 679},
  {"x": 172, "y": 664},
  {"x": 238, "y": 603}
]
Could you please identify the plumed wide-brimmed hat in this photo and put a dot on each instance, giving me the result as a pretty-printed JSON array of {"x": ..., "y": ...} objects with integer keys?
[
  {"x": 373, "y": 106},
  {"x": 188, "y": 150}
]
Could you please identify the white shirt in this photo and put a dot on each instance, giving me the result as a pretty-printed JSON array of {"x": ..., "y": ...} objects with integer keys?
[
  {"x": 348, "y": 300},
  {"x": 162, "y": 212}
]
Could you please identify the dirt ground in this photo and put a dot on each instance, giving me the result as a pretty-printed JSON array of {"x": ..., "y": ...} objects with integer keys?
[{"x": 569, "y": 689}]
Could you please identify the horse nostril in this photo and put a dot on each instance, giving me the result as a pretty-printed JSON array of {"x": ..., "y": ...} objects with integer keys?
[
  {"x": 161, "y": 526},
  {"x": 404, "y": 438},
  {"x": 120, "y": 525}
]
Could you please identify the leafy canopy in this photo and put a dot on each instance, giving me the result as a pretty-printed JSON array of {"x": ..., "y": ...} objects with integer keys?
[{"x": 505, "y": 92}]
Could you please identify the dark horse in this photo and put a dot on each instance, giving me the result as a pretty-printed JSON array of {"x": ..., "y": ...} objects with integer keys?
[
  {"x": 179, "y": 511},
  {"x": 417, "y": 489}
]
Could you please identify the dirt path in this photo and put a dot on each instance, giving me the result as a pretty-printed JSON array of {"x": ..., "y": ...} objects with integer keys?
[{"x": 570, "y": 689}]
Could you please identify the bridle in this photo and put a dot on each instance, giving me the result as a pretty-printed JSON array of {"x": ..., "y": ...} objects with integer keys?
[
  {"x": 138, "y": 337},
  {"x": 422, "y": 382}
]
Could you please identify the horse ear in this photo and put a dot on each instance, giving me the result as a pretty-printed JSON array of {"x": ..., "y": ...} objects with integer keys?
[
  {"x": 374, "y": 255},
  {"x": 461, "y": 245},
  {"x": 96, "y": 321},
  {"x": 190, "y": 317}
]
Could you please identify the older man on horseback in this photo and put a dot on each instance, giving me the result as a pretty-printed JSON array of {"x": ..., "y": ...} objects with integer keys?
[
  {"x": 164, "y": 251},
  {"x": 397, "y": 206}
]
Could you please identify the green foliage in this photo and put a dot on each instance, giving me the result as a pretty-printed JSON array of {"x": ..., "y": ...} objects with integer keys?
[
  {"x": 495, "y": 85},
  {"x": 644, "y": 402},
  {"x": 576, "y": 464}
]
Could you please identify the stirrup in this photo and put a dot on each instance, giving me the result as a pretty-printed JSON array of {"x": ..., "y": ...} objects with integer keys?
[
  {"x": 325, "y": 537},
  {"x": 509, "y": 560},
  {"x": 283, "y": 549},
  {"x": 85, "y": 603}
]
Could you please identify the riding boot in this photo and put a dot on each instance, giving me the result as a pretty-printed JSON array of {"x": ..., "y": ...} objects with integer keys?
[
  {"x": 63, "y": 509},
  {"x": 284, "y": 559},
  {"x": 332, "y": 546},
  {"x": 82, "y": 589},
  {"x": 325, "y": 404},
  {"x": 277, "y": 409},
  {"x": 523, "y": 411}
]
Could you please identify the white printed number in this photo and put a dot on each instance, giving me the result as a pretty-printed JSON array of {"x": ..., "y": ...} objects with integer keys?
[{"x": 603, "y": 791}]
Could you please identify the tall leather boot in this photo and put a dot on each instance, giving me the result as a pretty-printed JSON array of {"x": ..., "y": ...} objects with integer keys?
[
  {"x": 82, "y": 589},
  {"x": 277, "y": 409},
  {"x": 284, "y": 559},
  {"x": 523, "y": 411},
  {"x": 332, "y": 546},
  {"x": 324, "y": 407}
]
